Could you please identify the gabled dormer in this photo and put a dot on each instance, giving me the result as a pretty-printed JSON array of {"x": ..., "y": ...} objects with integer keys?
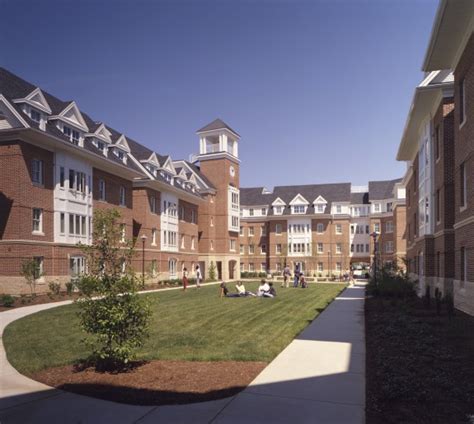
[
  {"x": 192, "y": 182},
  {"x": 36, "y": 107},
  {"x": 182, "y": 174},
  {"x": 278, "y": 206},
  {"x": 320, "y": 204},
  {"x": 168, "y": 166},
  {"x": 121, "y": 148},
  {"x": 152, "y": 164},
  {"x": 71, "y": 123},
  {"x": 168, "y": 171},
  {"x": 299, "y": 205},
  {"x": 101, "y": 138}
]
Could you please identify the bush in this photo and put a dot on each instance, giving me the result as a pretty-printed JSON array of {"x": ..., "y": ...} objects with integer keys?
[
  {"x": 7, "y": 300},
  {"x": 391, "y": 285},
  {"x": 212, "y": 272},
  {"x": 246, "y": 274},
  {"x": 69, "y": 288},
  {"x": 54, "y": 288}
]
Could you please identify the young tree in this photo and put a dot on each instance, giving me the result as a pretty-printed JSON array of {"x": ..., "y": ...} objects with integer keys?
[
  {"x": 31, "y": 271},
  {"x": 111, "y": 312},
  {"x": 212, "y": 272}
]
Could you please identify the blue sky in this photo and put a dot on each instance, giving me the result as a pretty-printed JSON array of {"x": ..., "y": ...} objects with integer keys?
[{"x": 319, "y": 90}]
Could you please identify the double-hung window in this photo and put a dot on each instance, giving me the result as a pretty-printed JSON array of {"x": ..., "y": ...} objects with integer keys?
[
  {"x": 37, "y": 220},
  {"x": 37, "y": 172},
  {"x": 122, "y": 196}
]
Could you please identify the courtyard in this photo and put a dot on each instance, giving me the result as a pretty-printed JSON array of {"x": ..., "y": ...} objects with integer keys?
[{"x": 231, "y": 339}]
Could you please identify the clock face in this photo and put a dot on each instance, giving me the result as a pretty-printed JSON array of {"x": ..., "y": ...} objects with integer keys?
[{"x": 232, "y": 171}]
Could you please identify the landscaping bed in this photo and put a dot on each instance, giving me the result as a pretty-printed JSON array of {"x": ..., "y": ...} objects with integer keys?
[
  {"x": 40, "y": 299},
  {"x": 156, "y": 382},
  {"x": 420, "y": 365}
]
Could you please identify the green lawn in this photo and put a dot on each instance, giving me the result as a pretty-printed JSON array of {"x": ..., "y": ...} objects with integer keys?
[{"x": 193, "y": 325}]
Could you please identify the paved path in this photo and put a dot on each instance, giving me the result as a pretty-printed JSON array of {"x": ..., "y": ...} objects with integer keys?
[{"x": 317, "y": 378}]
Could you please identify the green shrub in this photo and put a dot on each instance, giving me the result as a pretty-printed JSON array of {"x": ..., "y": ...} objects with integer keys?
[
  {"x": 69, "y": 288},
  {"x": 54, "y": 288},
  {"x": 390, "y": 284},
  {"x": 246, "y": 274},
  {"x": 212, "y": 272},
  {"x": 7, "y": 300}
]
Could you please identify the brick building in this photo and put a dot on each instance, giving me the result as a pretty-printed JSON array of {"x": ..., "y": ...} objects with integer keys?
[
  {"x": 437, "y": 145},
  {"x": 325, "y": 228},
  {"x": 58, "y": 165}
]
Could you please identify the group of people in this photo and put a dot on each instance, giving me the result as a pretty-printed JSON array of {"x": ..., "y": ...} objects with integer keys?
[
  {"x": 264, "y": 290},
  {"x": 198, "y": 277},
  {"x": 298, "y": 280}
]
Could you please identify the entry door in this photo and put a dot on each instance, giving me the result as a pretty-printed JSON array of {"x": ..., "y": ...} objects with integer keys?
[{"x": 219, "y": 270}]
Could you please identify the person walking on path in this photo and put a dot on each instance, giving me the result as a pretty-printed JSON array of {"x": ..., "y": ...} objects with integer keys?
[
  {"x": 296, "y": 281},
  {"x": 351, "y": 278},
  {"x": 185, "y": 278},
  {"x": 198, "y": 277},
  {"x": 286, "y": 276}
]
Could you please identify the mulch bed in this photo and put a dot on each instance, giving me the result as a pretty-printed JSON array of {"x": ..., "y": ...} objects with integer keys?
[
  {"x": 420, "y": 366},
  {"x": 40, "y": 299},
  {"x": 156, "y": 382}
]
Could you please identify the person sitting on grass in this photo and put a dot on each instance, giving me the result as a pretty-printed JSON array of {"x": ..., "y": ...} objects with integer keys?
[
  {"x": 272, "y": 292},
  {"x": 303, "y": 282},
  {"x": 224, "y": 292},
  {"x": 264, "y": 289},
  {"x": 241, "y": 290}
]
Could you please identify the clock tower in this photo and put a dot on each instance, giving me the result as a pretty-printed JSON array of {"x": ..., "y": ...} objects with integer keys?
[{"x": 219, "y": 218}]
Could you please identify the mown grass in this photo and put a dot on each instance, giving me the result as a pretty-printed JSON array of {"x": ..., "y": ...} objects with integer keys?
[{"x": 195, "y": 325}]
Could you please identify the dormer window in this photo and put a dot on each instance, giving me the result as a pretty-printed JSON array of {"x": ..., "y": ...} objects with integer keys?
[
  {"x": 320, "y": 208},
  {"x": 299, "y": 209},
  {"x": 278, "y": 210},
  {"x": 73, "y": 135},
  {"x": 338, "y": 209},
  {"x": 152, "y": 169},
  {"x": 121, "y": 155},
  {"x": 35, "y": 115}
]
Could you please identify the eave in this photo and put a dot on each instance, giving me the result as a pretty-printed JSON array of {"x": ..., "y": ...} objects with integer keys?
[
  {"x": 161, "y": 186},
  {"x": 452, "y": 28},
  {"x": 424, "y": 101},
  {"x": 49, "y": 142}
]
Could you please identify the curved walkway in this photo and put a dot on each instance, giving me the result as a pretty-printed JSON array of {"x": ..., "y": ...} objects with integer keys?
[{"x": 318, "y": 378}]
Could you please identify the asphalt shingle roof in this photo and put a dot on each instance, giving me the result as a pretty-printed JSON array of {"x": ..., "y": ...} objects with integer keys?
[
  {"x": 14, "y": 87},
  {"x": 359, "y": 198},
  {"x": 338, "y": 192},
  {"x": 217, "y": 124},
  {"x": 380, "y": 190}
]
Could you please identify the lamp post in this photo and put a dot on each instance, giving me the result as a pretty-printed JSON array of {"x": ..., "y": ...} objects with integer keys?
[
  {"x": 330, "y": 264},
  {"x": 143, "y": 238},
  {"x": 374, "y": 236}
]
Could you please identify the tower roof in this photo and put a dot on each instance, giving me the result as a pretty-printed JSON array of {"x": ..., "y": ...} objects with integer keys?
[{"x": 217, "y": 124}]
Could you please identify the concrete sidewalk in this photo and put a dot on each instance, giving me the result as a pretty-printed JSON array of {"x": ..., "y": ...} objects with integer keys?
[{"x": 317, "y": 378}]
